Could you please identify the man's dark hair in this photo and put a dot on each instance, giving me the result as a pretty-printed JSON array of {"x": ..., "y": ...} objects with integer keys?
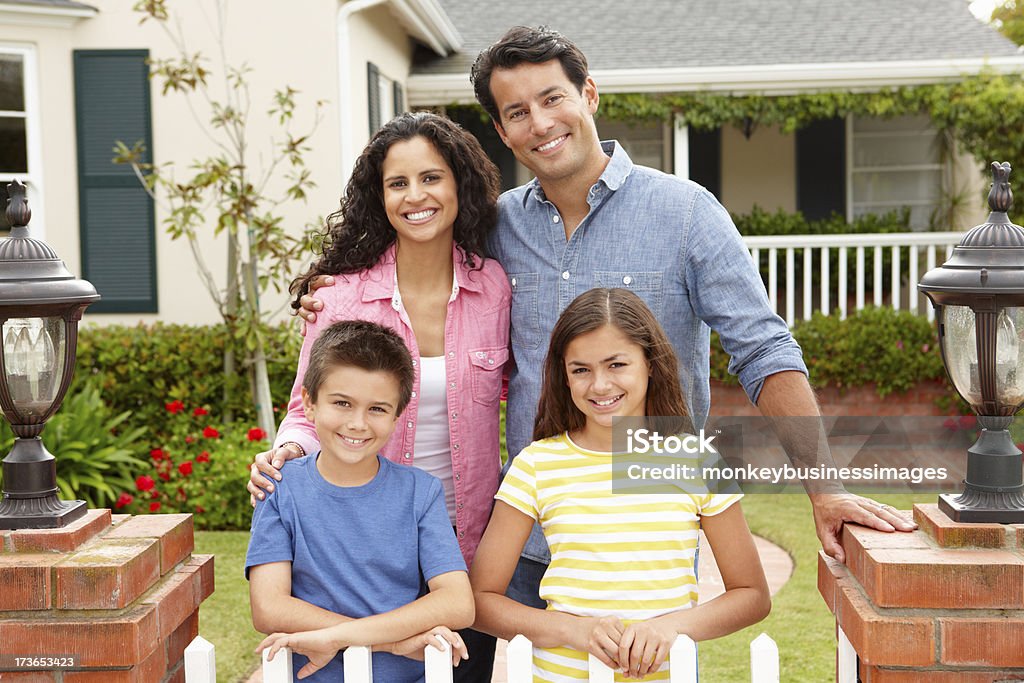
[
  {"x": 364, "y": 345},
  {"x": 519, "y": 45}
]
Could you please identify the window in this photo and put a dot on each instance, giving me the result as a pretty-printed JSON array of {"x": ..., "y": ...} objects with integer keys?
[
  {"x": 19, "y": 147},
  {"x": 384, "y": 97},
  {"x": 895, "y": 163},
  {"x": 647, "y": 144}
]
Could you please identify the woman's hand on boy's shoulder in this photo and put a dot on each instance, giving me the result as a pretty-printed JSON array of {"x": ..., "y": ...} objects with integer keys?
[
  {"x": 266, "y": 468},
  {"x": 413, "y": 646}
]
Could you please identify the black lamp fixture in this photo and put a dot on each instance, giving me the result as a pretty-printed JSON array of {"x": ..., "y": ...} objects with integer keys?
[
  {"x": 41, "y": 303},
  {"x": 978, "y": 294}
]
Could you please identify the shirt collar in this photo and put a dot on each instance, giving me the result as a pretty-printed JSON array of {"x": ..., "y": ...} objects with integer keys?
[
  {"x": 382, "y": 279},
  {"x": 613, "y": 176}
]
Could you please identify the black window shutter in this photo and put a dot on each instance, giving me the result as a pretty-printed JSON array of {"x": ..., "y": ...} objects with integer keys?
[
  {"x": 399, "y": 99},
  {"x": 706, "y": 159},
  {"x": 373, "y": 96},
  {"x": 821, "y": 169},
  {"x": 116, "y": 216}
]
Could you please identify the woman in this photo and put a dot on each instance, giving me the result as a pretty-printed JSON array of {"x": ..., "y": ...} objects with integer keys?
[{"x": 407, "y": 250}]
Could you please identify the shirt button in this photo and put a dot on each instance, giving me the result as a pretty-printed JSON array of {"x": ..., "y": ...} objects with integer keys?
[
  {"x": 414, "y": 362},
  {"x": 554, "y": 219},
  {"x": 626, "y": 280},
  {"x": 462, "y": 534},
  {"x": 459, "y": 506},
  {"x": 458, "y": 477},
  {"x": 451, "y": 354},
  {"x": 408, "y": 455},
  {"x": 456, "y": 446},
  {"x": 513, "y": 282},
  {"x": 490, "y": 361},
  {"x": 451, "y": 384},
  {"x": 414, "y": 394},
  {"x": 565, "y": 275},
  {"x": 455, "y": 415},
  {"x": 409, "y": 424}
]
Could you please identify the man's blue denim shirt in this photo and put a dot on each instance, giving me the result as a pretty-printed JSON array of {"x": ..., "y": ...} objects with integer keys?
[{"x": 666, "y": 239}]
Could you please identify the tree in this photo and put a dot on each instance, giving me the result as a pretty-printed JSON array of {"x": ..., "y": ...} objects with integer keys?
[
  {"x": 228, "y": 194},
  {"x": 1009, "y": 19}
]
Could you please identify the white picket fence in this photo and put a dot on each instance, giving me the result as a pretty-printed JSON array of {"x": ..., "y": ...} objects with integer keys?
[
  {"x": 201, "y": 665},
  {"x": 820, "y": 253}
]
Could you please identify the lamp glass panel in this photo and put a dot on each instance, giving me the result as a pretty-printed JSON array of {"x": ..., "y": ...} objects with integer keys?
[
  {"x": 33, "y": 351},
  {"x": 1010, "y": 356},
  {"x": 961, "y": 349}
]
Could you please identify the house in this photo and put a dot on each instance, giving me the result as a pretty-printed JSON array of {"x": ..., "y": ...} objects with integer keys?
[{"x": 74, "y": 79}]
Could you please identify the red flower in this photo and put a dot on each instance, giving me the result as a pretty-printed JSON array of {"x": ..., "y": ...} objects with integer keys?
[
  {"x": 190, "y": 439},
  {"x": 200, "y": 411},
  {"x": 145, "y": 483},
  {"x": 185, "y": 468},
  {"x": 157, "y": 454},
  {"x": 200, "y": 509},
  {"x": 123, "y": 500},
  {"x": 203, "y": 457},
  {"x": 211, "y": 433},
  {"x": 164, "y": 475},
  {"x": 967, "y": 422},
  {"x": 154, "y": 506},
  {"x": 256, "y": 434},
  {"x": 174, "y": 406}
]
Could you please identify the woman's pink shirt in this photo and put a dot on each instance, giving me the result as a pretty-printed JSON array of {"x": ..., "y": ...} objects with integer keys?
[{"x": 476, "y": 339}]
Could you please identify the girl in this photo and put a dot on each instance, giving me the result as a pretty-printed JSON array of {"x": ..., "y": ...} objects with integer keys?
[
  {"x": 621, "y": 584},
  {"x": 407, "y": 251}
]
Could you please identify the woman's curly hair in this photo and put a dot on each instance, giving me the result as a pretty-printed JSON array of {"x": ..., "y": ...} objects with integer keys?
[{"x": 359, "y": 233}]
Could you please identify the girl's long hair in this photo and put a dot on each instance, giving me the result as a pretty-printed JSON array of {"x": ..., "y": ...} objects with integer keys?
[
  {"x": 626, "y": 312},
  {"x": 358, "y": 234}
]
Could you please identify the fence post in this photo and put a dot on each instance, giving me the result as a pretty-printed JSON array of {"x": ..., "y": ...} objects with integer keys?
[
  {"x": 519, "y": 660},
  {"x": 847, "y": 659},
  {"x": 200, "y": 662},
  {"x": 438, "y": 663},
  {"x": 764, "y": 660},
  {"x": 682, "y": 658},
  {"x": 599, "y": 673},
  {"x": 278, "y": 669},
  {"x": 358, "y": 664}
]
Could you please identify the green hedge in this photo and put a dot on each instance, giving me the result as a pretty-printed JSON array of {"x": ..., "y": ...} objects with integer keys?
[
  {"x": 892, "y": 349},
  {"x": 142, "y": 368},
  {"x": 761, "y": 223}
]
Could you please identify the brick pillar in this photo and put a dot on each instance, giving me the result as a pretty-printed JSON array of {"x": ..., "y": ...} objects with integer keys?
[
  {"x": 119, "y": 593},
  {"x": 942, "y": 604}
]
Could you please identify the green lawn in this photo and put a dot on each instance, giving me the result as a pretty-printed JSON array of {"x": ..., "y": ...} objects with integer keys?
[
  {"x": 800, "y": 623},
  {"x": 224, "y": 617}
]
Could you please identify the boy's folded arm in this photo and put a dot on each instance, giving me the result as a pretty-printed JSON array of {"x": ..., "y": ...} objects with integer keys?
[
  {"x": 275, "y": 610},
  {"x": 449, "y": 603}
]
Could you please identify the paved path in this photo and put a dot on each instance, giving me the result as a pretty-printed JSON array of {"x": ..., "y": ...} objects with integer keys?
[{"x": 778, "y": 566}]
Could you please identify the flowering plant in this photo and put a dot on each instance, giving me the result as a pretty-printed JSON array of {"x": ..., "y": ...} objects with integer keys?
[{"x": 198, "y": 468}]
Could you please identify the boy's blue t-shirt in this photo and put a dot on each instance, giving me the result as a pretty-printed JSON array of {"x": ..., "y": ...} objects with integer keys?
[{"x": 359, "y": 550}]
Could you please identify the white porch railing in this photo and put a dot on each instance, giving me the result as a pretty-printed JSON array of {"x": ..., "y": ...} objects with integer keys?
[
  {"x": 911, "y": 255},
  {"x": 201, "y": 667}
]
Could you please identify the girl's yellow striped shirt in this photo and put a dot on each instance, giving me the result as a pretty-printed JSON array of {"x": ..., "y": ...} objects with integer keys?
[{"x": 629, "y": 555}]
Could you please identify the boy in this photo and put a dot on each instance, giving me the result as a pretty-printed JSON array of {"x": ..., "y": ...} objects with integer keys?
[{"x": 342, "y": 543}]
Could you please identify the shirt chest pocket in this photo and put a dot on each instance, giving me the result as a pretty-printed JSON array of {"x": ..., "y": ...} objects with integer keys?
[
  {"x": 645, "y": 284},
  {"x": 485, "y": 374},
  {"x": 525, "y": 314}
]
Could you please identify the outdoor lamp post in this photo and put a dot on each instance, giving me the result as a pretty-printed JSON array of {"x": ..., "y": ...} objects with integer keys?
[
  {"x": 978, "y": 294},
  {"x": 40, "y": 306}
]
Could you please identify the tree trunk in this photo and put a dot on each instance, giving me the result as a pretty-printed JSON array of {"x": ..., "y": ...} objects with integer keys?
[
  {"x": 230, "y": 318},
  {"x": 261, "y": 398}
]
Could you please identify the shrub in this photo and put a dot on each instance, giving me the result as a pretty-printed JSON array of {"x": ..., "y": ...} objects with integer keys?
[
  {"x": 199, "y": 468},
  {"x": 143, "y": 367},
  {"x": 95, "y": 450},
  {"x": 892, "y": 349}
]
